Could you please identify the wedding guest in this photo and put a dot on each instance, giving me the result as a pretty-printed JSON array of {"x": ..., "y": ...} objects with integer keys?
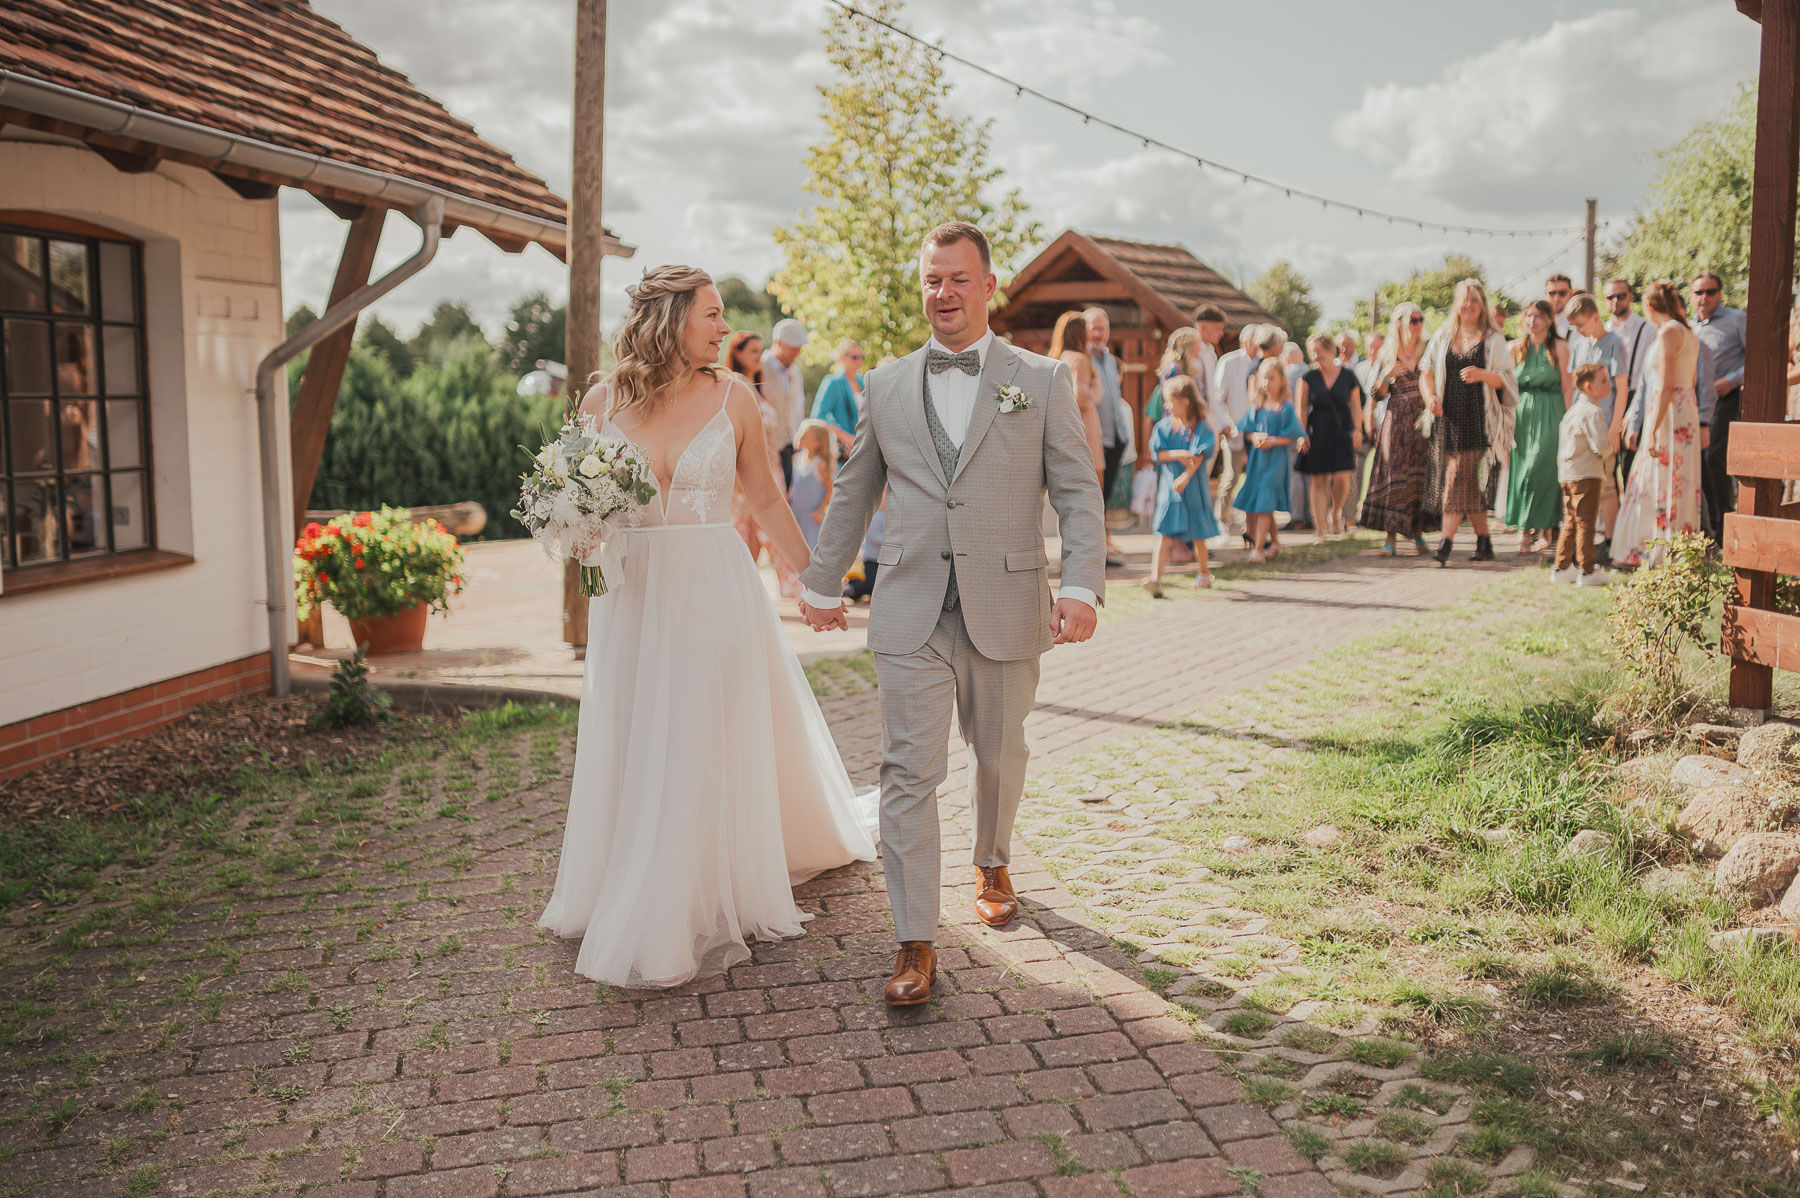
[
  {"x": 1662, "y": 496},
  {"x": 1329, "y": 404},
  {"x": 743, "y": 355},
  {"x": 1268, "y": 430},
  {"x": 1589, "y": 342},
  {"x": 1635, "y": 333},
  {"x": 1347, "y": 356},
  {"x": 1472, "y": 394},
  {"x": 1068, "y": 343},
  {"x": 1209, "y": 322},
  {"x": 1501, "y": 314},
  {"x": 1182, "y": 444},
  {"x": 1395, "y": 503},
  {"x": 1358, "y": 366},
  {"x": 810, "y": 493},
  {"x": 838, "y": 401},
  {"x": 784, "y": 386},
  {"x": 1299, "y": 508},
  {"x": 1580, "y": 468},
  {"x": 1115, "y": 415},
  {"x": 1721, "y": 329},
  {"x": 1541, "y": 367},
  {"x": 858, "y": 589},
  {"x": 1557, "y": 290}
]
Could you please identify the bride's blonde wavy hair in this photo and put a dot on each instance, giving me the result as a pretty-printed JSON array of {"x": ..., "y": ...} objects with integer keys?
[{"x": 648, "y": 349}]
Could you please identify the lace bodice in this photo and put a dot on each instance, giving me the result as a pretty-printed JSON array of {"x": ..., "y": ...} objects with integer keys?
[{"x": 699, "y": 490}]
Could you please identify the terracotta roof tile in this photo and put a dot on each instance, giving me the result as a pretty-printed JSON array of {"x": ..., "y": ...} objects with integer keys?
[{"x": 274, "y": 70}]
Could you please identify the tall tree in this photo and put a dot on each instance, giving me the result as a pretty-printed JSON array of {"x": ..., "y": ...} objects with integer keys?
[
  {"x": 1696, "y": 211},
  {"x": 1288, "y": 297},
  {"x": 380, "y": 339},
  {"x": 449, "y": 323},
  {"x": 536, "y": 330},
  {"x": 1430, "y": 287},
  {"x": 893, "y": 162}
]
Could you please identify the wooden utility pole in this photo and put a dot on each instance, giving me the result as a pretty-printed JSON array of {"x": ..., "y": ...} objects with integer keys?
[
  {"x": 587, "y": 241},
  {"x": 1593, "y": 206},
  {"x": 1375, "y": 312}
]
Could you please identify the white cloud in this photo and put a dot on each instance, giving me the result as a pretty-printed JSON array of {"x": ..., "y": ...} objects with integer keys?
[{"x": 1524, "y": 126}]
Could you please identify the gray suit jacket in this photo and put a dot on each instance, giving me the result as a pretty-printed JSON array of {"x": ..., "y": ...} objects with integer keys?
[{"x": 987, "y": 517}]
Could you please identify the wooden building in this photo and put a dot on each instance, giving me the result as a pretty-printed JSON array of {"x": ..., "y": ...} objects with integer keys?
[{"x": 1147, "y": 289}]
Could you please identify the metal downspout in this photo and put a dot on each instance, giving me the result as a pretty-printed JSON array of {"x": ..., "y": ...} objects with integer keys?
[{"x": 277, "y": 557}]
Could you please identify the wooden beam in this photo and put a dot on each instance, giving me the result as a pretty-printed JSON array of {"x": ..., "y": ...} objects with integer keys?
[
  {"x": 1769, "y": 639},
  {"x": 1769, "y": 302},
  {"x": 129, "y": 161},
  {"x": 587, "y": 251},
  {"x": 1766, "y": 543},
  {"x": 1078, "y": 292},
  {"x": 325, "y": 365},
  {"x": 250, "y": 189},
  {"x": 1764, "y": 450}
]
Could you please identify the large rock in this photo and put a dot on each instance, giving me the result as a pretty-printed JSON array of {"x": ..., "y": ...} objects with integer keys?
[
  {"x": 1760, "y": 867},
  {"x": 1724, "y": 804},
  {"x": 1663, "y": 882},
  {"x": 1769, "y": 746},
  {"x": 1790, "y": 902},
  {"x": 1736, "y": 939},
  {"x": 1588, "y": 842}
]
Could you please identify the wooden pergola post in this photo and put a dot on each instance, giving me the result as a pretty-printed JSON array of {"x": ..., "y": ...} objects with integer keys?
[
  {"x": 1757, "y": 545},
  {"x": 587, "y": 247},
  {"x": 324, "y": 374}
]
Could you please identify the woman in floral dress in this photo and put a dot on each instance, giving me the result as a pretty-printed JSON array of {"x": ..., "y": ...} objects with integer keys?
[
  {"x": 1396, "y": 502},
  {"x": 1662, "y": 496}
]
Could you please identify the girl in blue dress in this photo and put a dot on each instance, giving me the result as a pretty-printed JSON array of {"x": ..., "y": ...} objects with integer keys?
[
  {"x": 810, "y": 493},
  {"x": 1182, "y": 445},
  {"x": 1271, "y": 426}
]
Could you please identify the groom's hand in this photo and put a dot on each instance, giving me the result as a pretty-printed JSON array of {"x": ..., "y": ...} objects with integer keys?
[
  {"x": 821, "y": 618},
  {"x": 1072, "y": 621}
]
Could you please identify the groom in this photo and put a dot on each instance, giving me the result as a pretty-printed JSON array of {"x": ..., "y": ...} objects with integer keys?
[{"x": 965, "y": 435}]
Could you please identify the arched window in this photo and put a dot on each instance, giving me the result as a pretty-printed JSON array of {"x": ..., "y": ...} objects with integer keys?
[{"x": 74, "y": 418}]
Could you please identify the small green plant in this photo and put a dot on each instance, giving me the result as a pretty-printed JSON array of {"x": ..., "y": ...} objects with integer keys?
[
  {"x": 1306, "y": 1141},
  {"x": 1404, "y": 1126},
  {"x": 1631, "y": 1050},
  {"x": 353, "y": 698},
  {"x": 1247, "y": 1023},
  {"x": 1559, "y": 984},
  {"x": 1250, "y": 1179},
  {"x": 1660, "y": 611},
  {"x": 1451, "y": 1178},
  {"x": 1339, "y": 1106},
  {"x": 1375, "y": 1157},
  {"x": 1503, "y": 1072},
  {"x": 1378, "y": 1051},
  {"x": 1266, "y": 1092}
]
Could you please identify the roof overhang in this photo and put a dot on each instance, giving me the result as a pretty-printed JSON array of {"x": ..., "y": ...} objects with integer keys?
[{"x": 122, "y": 131}]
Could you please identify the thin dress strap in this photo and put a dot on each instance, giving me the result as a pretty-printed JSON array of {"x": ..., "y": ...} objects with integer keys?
[{"x": 730, "y": 382}]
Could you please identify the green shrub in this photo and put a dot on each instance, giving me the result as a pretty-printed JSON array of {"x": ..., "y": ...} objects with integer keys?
[
  {"x": 1660, "y": 611},
  {"x": 353, "y": 698}
]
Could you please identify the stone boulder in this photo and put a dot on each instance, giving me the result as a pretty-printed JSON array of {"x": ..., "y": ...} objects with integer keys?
[
  {"x": 1734, "y": 939},
  {"x": 1322, "y": 837},
  {"x": 1723, "y": 802},
  {"x": 1790, "y": 902},
  {"x": 1588, "y": 842},
  {"x": 1663, "y": 882},
  {"x": 1769, "y": 746},
  {"x": 1760, "y": 867}
]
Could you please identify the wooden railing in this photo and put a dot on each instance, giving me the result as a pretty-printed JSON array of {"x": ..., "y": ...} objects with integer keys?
[{"x": 1757, "y": 638}]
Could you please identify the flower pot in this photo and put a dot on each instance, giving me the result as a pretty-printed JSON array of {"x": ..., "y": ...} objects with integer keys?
[{"x": 403, "y": 632}]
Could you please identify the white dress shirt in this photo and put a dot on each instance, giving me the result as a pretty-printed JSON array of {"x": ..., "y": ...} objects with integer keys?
[
  {"x": 953, "y": 396},
  {"x": 1637, "y": 344},
  {"x": 1231, "y": 387}
]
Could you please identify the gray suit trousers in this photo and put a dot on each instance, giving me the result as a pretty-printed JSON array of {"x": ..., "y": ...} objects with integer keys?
[{"x": 991, "y": 700}]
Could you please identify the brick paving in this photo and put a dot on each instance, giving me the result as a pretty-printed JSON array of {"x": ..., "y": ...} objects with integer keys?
[{"x": 387, "y": 1021}]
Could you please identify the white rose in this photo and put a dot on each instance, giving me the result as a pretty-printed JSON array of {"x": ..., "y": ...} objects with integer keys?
[{"x": 590, "y": 466}]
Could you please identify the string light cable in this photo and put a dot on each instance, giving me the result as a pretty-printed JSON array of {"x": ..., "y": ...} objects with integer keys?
[{"x": 1148, "y": 142}]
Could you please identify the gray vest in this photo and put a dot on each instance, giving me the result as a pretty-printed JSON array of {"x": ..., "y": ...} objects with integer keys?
[{"x": 948, "y": 452}]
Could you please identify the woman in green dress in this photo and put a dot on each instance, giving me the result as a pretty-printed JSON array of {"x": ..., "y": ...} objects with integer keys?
[{"x": 1541, "y": 362}]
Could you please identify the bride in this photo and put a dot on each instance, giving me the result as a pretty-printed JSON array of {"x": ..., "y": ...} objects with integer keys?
[{"x": 706, "y": 781}]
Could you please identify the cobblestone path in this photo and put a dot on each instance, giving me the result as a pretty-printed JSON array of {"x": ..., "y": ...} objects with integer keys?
[{"x": 388, "y": 1022}]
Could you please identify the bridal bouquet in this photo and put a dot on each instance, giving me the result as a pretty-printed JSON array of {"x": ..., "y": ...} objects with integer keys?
[{"x": 578, "y": 483}]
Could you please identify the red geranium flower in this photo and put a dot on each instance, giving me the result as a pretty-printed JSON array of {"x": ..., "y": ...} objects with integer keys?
[
  {"x": 312, "y": 530},
  {"x": 363, "y": 519}
]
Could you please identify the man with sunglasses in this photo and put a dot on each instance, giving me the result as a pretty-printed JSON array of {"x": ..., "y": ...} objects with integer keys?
[
  {"x": 1557, "y": 289},
  {"x": 1637, "y": 336},
  {"x": 1721, "y": 330}
]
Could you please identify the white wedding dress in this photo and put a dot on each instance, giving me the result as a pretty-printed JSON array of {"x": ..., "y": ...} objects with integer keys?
[{"x": 706, "y": 780}]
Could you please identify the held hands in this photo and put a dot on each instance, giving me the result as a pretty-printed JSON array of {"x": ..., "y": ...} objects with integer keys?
[
  {"x": 1437, "y": 407},
  {"x": 1705, "y": 435},
  {"x": 1071, "y": 621},
  {"x": 820, "y": 619},
  {"x": 1631, "y": 442}
]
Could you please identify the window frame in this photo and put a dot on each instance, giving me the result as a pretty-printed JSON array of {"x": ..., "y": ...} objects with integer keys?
[{"x": 45, "y": 229}]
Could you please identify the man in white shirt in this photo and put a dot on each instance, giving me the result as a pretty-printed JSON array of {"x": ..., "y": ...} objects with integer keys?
[
  {"x": 785, "y": 388},
  {"x": 1636, "y": 335},
  {"x": 1231, "y": 389}
]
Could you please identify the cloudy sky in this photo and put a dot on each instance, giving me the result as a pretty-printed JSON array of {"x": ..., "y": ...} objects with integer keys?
[{"x": 1491, "y": 115}]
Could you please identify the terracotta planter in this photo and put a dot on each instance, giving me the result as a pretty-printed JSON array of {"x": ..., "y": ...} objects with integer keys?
[{"x": 402, "y": 633}]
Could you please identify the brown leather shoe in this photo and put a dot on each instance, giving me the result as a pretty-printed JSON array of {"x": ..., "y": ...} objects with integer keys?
[
  {"x": 915, "y": 968},
  {"x": 995, "y": 902}
]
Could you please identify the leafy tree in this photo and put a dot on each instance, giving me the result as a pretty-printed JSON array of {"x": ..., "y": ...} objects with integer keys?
[
  {"x": 450, "y": 322},
  {"x": 1696, "y": 211},
  {"x": 379, "y": 338},
  {"x": 749, "y": 308},
  {"x": 892, "y": 163},
  {"x": 1288, "y": 297},
  {"x": 535, "y": 330},
  {"x": 299, "y": 318},
  {"x": 1430, "y": 287}
]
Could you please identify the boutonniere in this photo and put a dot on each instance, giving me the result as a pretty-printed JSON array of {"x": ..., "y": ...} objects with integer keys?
[{"x": 1013, "y": 398}]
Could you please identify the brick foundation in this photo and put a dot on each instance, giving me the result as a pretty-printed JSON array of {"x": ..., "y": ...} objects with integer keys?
[{"x": 30, "y": 743}]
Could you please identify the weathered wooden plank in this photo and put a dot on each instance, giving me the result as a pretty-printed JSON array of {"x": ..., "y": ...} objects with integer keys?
[
  {"x": 1077, "y": 291},
  {"x": 1765, "y": 638},
  {"x": 1764, "y": 450},
  {"x": 1765, "y": 543}
]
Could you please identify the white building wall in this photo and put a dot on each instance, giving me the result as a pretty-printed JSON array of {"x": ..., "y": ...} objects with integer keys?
[{"x": 212, "y": 267}]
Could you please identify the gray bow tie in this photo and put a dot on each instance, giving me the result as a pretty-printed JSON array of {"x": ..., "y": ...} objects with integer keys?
[{"x": 937, "y": 361}]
